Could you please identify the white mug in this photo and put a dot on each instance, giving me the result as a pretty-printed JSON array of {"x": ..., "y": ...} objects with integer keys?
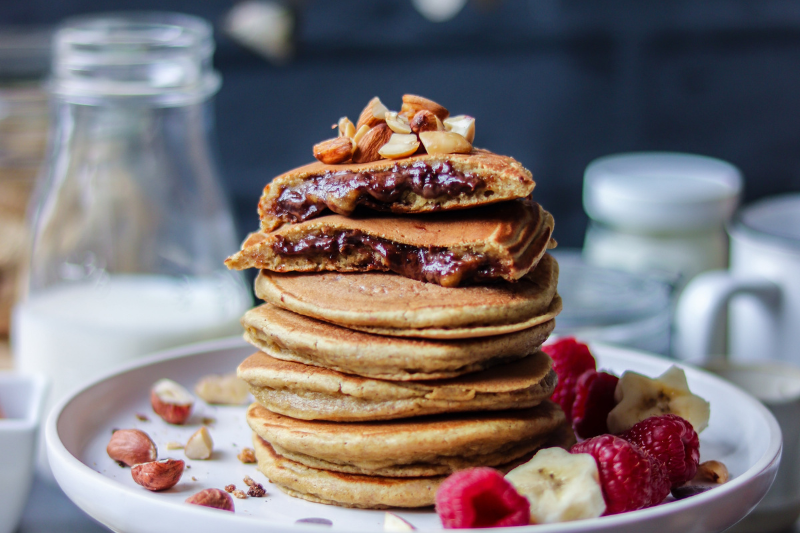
[{"x": 761, "y": 290}]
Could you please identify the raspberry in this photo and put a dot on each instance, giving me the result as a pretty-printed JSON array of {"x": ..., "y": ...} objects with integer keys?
[
  {"x": 671, "y": 440},
  {"x": 594, "y": 399},
  {"x": 480, "y": 497},
  {"x": 630, "y": 479},
  {"x": 570, "y": 359}
]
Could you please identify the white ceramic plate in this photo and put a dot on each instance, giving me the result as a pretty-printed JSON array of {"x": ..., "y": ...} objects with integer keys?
[{"x": 741, "y": 433}]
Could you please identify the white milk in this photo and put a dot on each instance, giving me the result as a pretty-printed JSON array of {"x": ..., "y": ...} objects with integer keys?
[{"x": 75, "y": 332}]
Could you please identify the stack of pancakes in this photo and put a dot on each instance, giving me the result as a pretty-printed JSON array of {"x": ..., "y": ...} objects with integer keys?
[{"x": 400, "y": 337}]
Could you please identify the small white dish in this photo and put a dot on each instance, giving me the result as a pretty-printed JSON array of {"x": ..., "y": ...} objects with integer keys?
[
  {"x": 742, "y": 434},
  {"x": 22, "y": 401}
]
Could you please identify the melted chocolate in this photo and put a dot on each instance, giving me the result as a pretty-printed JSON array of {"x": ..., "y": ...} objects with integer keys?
[
  {"x": 342, "y": 191},
  {"x": 435, "y": 265}
]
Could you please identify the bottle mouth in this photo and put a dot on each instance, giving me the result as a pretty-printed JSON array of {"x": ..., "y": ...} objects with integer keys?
[{"x": 164, "y": 57}]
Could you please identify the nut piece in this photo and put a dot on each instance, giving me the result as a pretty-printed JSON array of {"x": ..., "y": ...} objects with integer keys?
[
  {"x": 412, "y": 104},
  {"x": 256, "y": 490},
  {"x": 223, "y": 390},
  {"x": 171, "y": 401},
  {"x": 360, "y": 133},
  {"x": 172, "y": 445},
  {"x": 334, "y": 151},
  {"x": 346, "y": 128},
  {"x": 239, "y": 494},
  {"x": 214, "y": 498},
  {"x": 444, "y": 142},
  {"x": 373, "y": 114},
  {"x": 399, "y": 145},
  {"x": 158, "y": 475},
  {"x": 392, "y": 522},
  {"x": 131, "y": 447},
  {"x": 397, "y": 123},
  {"x": 426, "y": 121},
  {"x": 464, "y": 125},
  {"x": 711, "y": 472},
  {"x": 247, "y": 456},
  {"x": 200, "y": 445},
  {"x": 230, "y": 488},
  {"x": 371, "y": 143},
  {"x": 248, "y": 481}
]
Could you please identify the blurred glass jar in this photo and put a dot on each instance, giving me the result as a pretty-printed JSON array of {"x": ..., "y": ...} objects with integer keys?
[
  {"x": 130, "y": 225},
  {"x": 659, "y": 213},
  {"x": 23, "y": 138}
]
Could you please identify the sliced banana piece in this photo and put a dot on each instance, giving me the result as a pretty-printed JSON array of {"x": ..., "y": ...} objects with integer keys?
[
  {"x": 640, "y": 397},
  {"x": 560, "y": 486}
]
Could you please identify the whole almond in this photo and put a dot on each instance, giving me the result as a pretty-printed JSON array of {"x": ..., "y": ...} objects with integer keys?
[
  {"x": 214, "y": 498},
  {"x": 131, "y": 447},
  {"x": 334, "y": 151},
  {"x": 158, "y": 475},
  {"x": 412, "y": 104},
  {"x": 424, "y": 120},
  {"x": 371, "y": 142},
  {"x": 373, "y": 114}
]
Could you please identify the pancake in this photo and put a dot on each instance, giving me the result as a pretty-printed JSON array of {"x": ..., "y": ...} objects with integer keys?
[
  {"x": 417, "y": 184},
  {"x": 291, "y": 337},
  {"x": 502, "y": 241},
  {"x": 360, "y": 491},
  {"x": 311, "y": 393},
  {"x": 380, "y": 300},
  {"x": 469, "y": 332},
  {"x": 422, "y": 446}
]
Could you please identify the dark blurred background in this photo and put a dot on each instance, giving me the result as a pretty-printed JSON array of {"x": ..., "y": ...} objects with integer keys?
[{"x": 554, "y": 83}]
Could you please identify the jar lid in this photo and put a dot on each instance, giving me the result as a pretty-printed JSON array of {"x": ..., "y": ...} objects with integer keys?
[
  {"x": 163, "y": 57},
  {"x": 595, "y": 296},
  {"x": 660, "y": 191},
  {"x": 776, "y": 219}
]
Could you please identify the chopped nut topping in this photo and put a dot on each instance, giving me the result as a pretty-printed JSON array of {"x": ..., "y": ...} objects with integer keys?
[
  {"x": 248, "y": 481},
  {"x": 247, "y": 455},
  {"x": 172, "y": 445},
  {"x": 239, "y": 494},
  {"x": 230, "y": 488},
  {"x": 256, "y": 491}
]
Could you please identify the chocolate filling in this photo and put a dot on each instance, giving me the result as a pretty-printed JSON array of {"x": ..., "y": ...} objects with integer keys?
[
  {"x": 342, "y": 191},
  {"x": 435, "y": 265}
]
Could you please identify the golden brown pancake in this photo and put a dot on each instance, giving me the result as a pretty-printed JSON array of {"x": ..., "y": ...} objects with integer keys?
[
  {"x": 312, "y": 393},
  {"x": 361, "y": 491},
  {"x": 291, "y": 337},
  {"x": 498, "y": 241},
  {"x": 412, "y": 447},
  {"x": 417, "y": 184},
  {"x": 380, "y": 300}
]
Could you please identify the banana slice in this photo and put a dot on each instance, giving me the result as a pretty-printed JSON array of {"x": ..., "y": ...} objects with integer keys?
[
  {"x": 639, "y": 397},
  {"x": 560, "y": 486}
]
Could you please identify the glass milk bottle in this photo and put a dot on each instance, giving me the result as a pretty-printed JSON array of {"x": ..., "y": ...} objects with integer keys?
[{"x": 130, "y": 224}]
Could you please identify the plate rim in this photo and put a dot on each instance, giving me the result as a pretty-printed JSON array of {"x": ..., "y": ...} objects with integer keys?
[{"x": 57, "y": 451}]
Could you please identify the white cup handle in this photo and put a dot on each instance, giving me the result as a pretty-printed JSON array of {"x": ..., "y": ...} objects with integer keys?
[{"x": 700, "y": 313}]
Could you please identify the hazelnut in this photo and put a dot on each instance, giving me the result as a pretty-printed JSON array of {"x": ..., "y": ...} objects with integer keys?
[
  {"x": 426, "y": 121},
  {"x": 158, "y": 475},
  {"x": 131, "y": 447},
  {"x": 200, "y": 445},
  {"x": 214, "y": 498},
  {"x": 412, "y": 104},
  {"x": 335, "y": 151},
  {"x": 171, "y": 401},
  {"x": 711, "y": 472},
  {"x": 397, "y": 123},
  {"x": 346, "y": 128},
  {"x": 247, "y": 456},
  {"x": 464, "y": 125}
]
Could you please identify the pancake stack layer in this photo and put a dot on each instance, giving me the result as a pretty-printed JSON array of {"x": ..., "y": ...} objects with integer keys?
[{"x": 399, "y": 339}]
